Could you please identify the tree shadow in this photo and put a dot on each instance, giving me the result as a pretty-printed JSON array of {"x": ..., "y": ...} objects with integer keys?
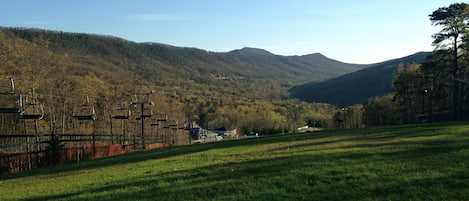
[
  {"x": 304, "y": 175},
  {"x": 254, "y": 180},
  {"x": 160, "y": 153}
]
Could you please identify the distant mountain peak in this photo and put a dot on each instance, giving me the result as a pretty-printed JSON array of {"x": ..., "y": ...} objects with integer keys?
[
  {"x": 251, "y": 51},
  {"x": 317, "y": 54}
]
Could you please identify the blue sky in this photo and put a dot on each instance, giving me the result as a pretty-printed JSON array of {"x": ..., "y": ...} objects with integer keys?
[{"x": 355, "y": 31}]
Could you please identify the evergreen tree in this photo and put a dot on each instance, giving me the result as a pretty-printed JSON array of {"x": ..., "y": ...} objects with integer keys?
[{"x": 454, "y": 22}]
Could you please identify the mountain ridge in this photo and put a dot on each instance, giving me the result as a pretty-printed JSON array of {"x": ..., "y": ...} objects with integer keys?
[
  {"x": 355, "y": 87},
  {"x": 167, "y": 65}
]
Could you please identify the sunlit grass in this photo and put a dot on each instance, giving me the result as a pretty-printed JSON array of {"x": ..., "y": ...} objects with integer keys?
[{"x": 418, "y": 162}]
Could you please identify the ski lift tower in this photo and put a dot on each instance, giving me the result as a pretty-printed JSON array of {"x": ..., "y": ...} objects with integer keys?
[{"x": 142, "y": 104}]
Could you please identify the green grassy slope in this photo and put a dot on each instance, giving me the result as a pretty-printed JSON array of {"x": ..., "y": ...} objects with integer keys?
[{"x": 418, "y": 162}]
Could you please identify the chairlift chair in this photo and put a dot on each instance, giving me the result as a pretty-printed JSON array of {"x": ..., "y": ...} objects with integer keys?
[
  {"x": 31, "y": 110},
  {"x": 173, "y": 123},
  {"x": 10, "y": 110},
  {"x": 123, "y": 116},
  {"x": 183, "y": 127},
  {"x": 166, "y": 125},
  {"x": 147, "y": 113},
  {"x": 122, "y": 112},
  {"x": 85, "y": 111},
  {"x": 161, "y": 117},
  {"x": 155, "y": 122},
  {"x": 13, "y": 100}
]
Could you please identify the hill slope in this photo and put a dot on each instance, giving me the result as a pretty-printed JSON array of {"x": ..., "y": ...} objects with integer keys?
[
  {"x": 152, "y": 59},
  {"x": 356, "y": 87},
  {"x": 224, "y": 89},
  {"x": 417, "y": 162},
  {"x": 306, "y": 68}
]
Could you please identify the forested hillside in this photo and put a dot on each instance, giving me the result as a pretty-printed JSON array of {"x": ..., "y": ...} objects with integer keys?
[
  {"x": 241, "y": 89},
  {"x": 356, "y": 87},
  {"x": 65, "y": 90}
]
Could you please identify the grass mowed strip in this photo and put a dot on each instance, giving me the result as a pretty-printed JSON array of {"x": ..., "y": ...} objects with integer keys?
[{"x": 415, "y": 162}]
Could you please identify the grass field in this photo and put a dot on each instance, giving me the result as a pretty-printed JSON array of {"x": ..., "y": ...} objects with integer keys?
[{"x": 414, "y": 162}]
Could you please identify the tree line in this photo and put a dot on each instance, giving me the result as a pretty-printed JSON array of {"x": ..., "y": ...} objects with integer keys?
[{"x": 437, "y": 89}]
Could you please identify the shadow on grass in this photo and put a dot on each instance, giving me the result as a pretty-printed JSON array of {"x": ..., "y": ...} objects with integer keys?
[
  {"x": 417, "y": 170},
  {"x": 407, "y": 135},
  {"x": 369, "y": 134},
  {"x": 243, "y": 180},
  {"x": 160, "y": 153},
  {"x": 295, "y": 177}
]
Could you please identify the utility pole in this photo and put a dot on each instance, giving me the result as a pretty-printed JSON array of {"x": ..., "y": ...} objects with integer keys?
[{"x": 142, "y": 114}]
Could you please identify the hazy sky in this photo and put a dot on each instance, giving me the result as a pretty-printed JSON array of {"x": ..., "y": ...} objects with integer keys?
[{"x": 355, "y": 31}]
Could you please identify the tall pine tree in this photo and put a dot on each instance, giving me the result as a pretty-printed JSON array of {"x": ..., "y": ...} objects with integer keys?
[{"x": 454, "y": 22}]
